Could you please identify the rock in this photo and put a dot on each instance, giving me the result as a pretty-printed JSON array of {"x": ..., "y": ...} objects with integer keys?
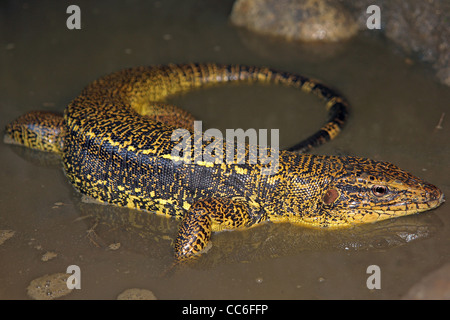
[
  {"x": 420, "y": 28},
  {"x": 5, "y": 235},
  {"x": 49, "y": 287},
  {"x": 433, "y": 286},
  {"x": 305, "y": 20},
  {"x": 49, "y": 255},
  {"x": 136, "y": 294},
  {"x": 114, "y": 246}
]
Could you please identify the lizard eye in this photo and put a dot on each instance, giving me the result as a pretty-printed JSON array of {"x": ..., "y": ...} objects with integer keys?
[{"x": 379, "y": 191}]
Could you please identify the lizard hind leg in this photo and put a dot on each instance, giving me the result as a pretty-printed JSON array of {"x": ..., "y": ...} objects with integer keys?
[
  {"x": 204, "y": 217},
  {"x": 40, "y": 130}
]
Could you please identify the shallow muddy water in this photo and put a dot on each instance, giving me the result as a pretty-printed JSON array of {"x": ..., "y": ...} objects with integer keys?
[{"x": 396, "y": 106}]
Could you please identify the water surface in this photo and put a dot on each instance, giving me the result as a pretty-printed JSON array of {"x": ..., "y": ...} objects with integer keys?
[{"x": 396, "y": 106}]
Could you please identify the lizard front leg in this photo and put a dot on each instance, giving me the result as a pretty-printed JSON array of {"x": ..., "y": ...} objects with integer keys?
[{"x": 204, "y": 217}]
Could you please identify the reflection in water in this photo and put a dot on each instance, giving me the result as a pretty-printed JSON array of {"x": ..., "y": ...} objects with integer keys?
[
  {"x": 153, "y": 235},
  {"x": 38, "y": 158}
]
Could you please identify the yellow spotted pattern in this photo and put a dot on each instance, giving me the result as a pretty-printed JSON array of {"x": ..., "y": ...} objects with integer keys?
[{"x": 116, "y": 147}]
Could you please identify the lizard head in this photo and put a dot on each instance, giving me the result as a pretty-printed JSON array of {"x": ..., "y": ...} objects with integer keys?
[{"x": 367, "y": 191}]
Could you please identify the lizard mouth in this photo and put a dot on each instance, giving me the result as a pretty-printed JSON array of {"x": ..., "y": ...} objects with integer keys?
[
  {"x": 432, "y": 201},
  {"x": 410, "y": 207}
]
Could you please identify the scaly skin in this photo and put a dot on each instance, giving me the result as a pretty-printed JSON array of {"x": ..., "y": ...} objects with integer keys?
[{"x": 115, "y": 142}]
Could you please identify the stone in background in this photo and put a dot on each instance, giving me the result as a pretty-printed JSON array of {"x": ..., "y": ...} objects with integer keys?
[
  {"x": 421, "y": 28},
  {"x": 308, "y": 20}
]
